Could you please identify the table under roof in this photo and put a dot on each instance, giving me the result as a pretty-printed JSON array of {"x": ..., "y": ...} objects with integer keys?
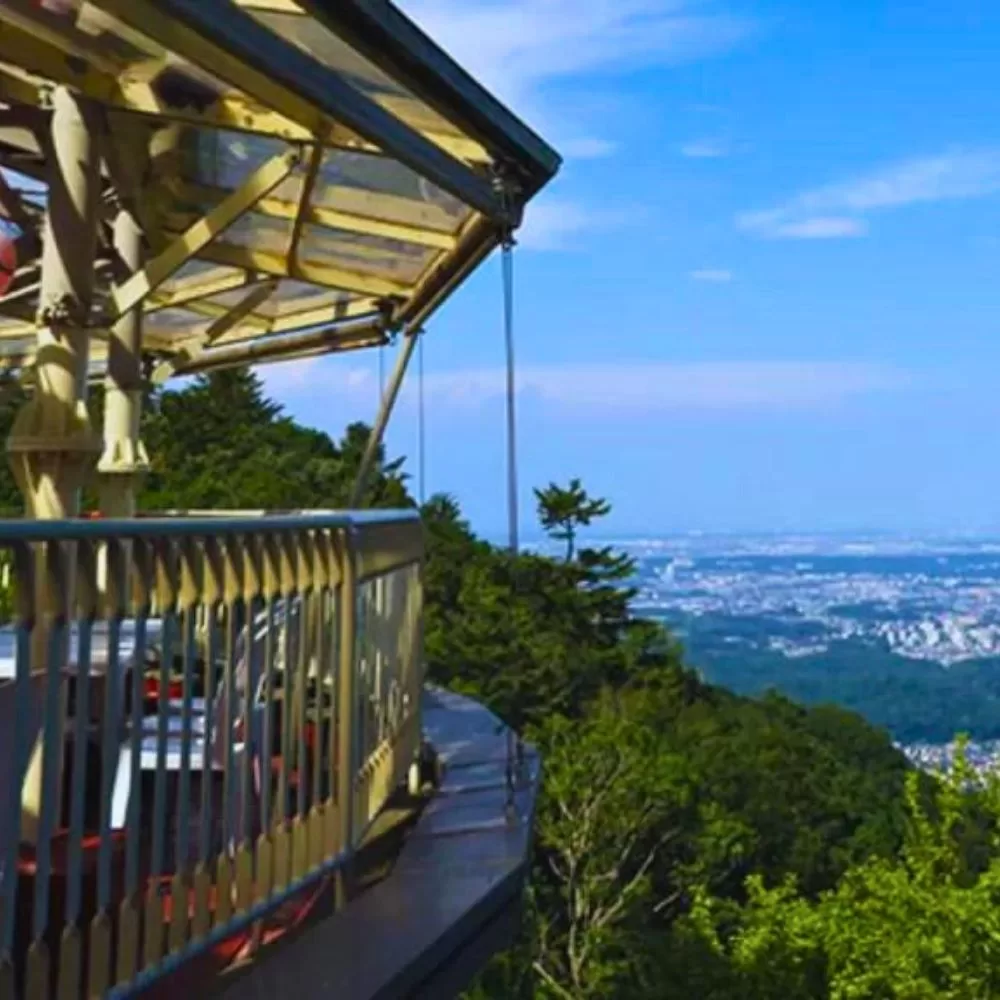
[{"x": 309, "y": 175}]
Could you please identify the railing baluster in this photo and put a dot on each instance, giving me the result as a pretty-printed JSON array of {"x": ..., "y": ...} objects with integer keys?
[
  {"x": 182, "y": 848},
  {"x": 201, "y": 922},
  {"x": 333, "y": 803},
  {"x": 321, "y": 578},
  {"x": 346, "y": 708},
  {"x": 306, "y": 592},
  {"x": 56, "y": 656},
  {"x": 282, "y": 829},
  {"x": 154, "y": 915},
  {"x": 247, "y": 584},
  {"x": 265, "y": 844},
  {"x": 25, "y": 624},
  {"x": 70, "y": 949},
  {"x": 224, "y": 866},
  {"x": 138, "y": 570}
]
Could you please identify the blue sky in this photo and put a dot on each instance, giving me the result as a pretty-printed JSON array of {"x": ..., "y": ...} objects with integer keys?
[{"x": 762, "y": 294}]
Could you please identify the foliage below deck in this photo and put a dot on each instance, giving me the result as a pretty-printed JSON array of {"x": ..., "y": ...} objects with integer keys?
[{"x": 691, "y": 843}]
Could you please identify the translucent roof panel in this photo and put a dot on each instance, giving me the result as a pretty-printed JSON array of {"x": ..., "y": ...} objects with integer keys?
[
  {"x": 303, "y": 31},
  {"x": 365, "y": 254},
  {"x": 288, "y": 174},
  {"x": 386, "y": 189},
  {"x": 223, "y": 159}
]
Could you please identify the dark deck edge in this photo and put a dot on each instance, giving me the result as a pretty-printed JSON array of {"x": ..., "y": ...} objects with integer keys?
[{"x": 453, "y": 898}]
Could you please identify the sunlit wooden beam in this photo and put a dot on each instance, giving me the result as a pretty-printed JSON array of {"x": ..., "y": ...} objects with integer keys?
[
  {"x": 220, "y": 252},
  {"x": 368, "y": 213},
  {"x": 311, "y": 343},
  {"x": 323, "y": 315},
  {"x": 300, "y": 212},
  {"x": 198, "y": 286},
  {"x": 197, "y": 237},
  {"x": 17, "y": 86}
]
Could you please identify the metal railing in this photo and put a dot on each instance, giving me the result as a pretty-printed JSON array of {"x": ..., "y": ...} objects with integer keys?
[{"x": 200, "y": 718}]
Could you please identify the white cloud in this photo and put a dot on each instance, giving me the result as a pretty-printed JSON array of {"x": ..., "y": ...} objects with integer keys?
[
  {"x": 716, "y": 275},
  {"x": 516, "y": 46},
  {"x": 587, "y": 148},
  {"x": 630, "y": 389},
  {"x": 522, "y": 50},
  {"x": 823, "y": 227},
  {"x": 552, "y": 223},
  {"x": 705, "y": 149},
  {"x": 842, "y": 210}
]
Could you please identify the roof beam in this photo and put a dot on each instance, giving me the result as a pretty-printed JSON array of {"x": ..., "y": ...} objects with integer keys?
[
  {"x": 197, "y": 237},
  {"x": 319, "y": 274},
  {"x": 198, "y": 286},
  {"x": 323, "y": 315},
  {"x": 477, "y": 241},
  {"x": 300, "y": 212},
  {"x": 17, "y": 87},
  {"x": 231, "y": 45},
  {"x": 229, "y": 319},
  {"x": 309, "y": 344},
  {"x": 335, "y": 218}
]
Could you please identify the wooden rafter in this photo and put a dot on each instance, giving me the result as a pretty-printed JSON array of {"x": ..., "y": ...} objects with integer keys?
[
  {"x": 221, "y": 252},
  {"x": 199, "y": 235},
  {"x": 364, "y": 223}
]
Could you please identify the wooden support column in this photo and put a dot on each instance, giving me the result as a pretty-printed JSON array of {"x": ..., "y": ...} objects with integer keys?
[
  {"x": 52, "y": 446},
  {"x": 124, "y": 462}
]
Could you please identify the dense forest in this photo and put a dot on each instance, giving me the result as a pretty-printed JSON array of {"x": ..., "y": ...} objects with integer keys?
[
  {"x": 691, "y": 842},
  {"x": 916, "y": 700}
]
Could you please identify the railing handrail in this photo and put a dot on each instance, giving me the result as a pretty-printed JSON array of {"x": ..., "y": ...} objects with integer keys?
[{"x": 181, "y": 524}]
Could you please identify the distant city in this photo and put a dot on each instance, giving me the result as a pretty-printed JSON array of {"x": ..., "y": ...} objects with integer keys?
[{"x": 882, "y": 625}]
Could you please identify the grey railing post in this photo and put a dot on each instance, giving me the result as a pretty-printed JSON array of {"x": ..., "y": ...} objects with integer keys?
[{"x": 345, "y": 703}]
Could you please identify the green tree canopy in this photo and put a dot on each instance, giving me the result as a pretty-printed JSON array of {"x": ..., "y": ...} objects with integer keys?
[{"x": 562, "y": 511}]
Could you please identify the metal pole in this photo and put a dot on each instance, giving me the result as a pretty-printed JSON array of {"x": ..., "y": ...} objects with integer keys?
[
  {"x": 382, "y": 419},
  {"x": 124, "y": 459},
  {"x": 421, "y": 425},
  {"x": 507, "y": 264},
  {"x": 52, "y": 445}
]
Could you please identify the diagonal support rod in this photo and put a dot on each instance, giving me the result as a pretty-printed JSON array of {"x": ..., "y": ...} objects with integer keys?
[
  {"x": 204, "y": 231},
  {"x": 382, "y": 419}
]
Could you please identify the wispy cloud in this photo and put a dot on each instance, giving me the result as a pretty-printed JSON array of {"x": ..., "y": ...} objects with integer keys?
[
  {"x": 717, "y": 275},
  {"x": 523, "y": 50},
  {"x": 842, "y": 210},
  {"x": 587, "y": 148},
  {"x": 705, "y": 149},
  {"x": 517, "y": 46},
  {"x": 629, "y": 389},
  {"x": 553, "y": 223}
]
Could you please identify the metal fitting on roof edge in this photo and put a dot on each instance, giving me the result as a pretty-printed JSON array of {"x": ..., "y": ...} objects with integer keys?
[
  {"x": 387, "y": 309},
  {"x": 511, "y": 214}
]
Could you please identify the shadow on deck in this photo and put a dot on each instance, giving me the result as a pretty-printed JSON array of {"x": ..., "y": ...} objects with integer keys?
[{"x": 451, "y": 899}]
